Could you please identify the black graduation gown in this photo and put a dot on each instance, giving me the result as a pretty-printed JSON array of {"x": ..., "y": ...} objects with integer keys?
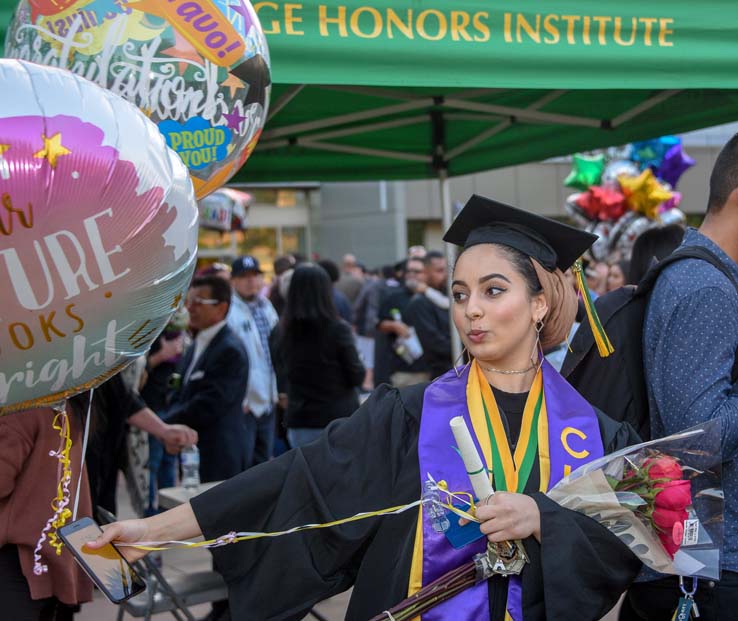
[{"x": 367, "y": 462}]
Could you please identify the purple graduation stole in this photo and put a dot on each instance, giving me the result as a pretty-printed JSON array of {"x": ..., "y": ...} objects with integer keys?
[{"x": 573, "y": 439}]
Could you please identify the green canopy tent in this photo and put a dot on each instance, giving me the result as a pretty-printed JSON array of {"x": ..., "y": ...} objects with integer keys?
[
  {"x": 410, "y": 89},
  {"x": 407, "y": 89},
  {"x": 403, "y": 89}
]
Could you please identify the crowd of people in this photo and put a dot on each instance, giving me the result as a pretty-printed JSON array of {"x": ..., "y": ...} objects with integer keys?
[
  {"x": 316, "y": 339},
  {"x": 254, "y": 369}
]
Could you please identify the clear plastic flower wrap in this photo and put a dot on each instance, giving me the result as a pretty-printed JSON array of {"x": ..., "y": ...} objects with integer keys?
[{"x": 662, "y": 498}]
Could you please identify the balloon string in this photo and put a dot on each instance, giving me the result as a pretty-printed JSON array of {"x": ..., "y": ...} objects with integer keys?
[
  {"x": 82, "y": 457},
  {"x": 59, "y": 505},
  {"x": 235, "y": 537}
]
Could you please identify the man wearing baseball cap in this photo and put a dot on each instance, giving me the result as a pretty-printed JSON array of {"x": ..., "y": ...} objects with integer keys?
[{"x": 252, "y": 317}]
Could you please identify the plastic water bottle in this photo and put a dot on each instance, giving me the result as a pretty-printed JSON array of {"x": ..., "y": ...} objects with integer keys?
[
  {"x": 190, "y": 459},
  {"x": 433, "y": 509}
]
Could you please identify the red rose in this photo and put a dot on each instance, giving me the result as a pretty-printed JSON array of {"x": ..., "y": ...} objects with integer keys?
[
  {"x": 675, "y": 495},
  {"x": 663, "y": 467},
  {"x": 665, "y": 518},
  {"x": 667, "y": 541}
]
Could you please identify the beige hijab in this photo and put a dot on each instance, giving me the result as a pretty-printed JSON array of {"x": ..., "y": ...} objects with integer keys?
[{"x": 562, "y": 306}]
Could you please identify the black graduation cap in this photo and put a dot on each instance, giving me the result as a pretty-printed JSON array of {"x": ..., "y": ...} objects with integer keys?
[{"x": 486, "y": 221}]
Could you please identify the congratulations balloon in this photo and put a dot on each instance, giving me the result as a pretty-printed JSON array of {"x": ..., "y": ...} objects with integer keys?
[
  {"x": 225, "y": 210},
  {"x": 630, "y": 229},
  {"x": 98, "y": 234},
  {"x": 199, "y": 70},
  {"x": 601, "y": 248}
]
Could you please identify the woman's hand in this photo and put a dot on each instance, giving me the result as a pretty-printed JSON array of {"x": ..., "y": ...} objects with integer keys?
[
  {"x": 176, "y": 524},
  {"x": 509, "y": 516},
  {"x": 126, "y": 531}
]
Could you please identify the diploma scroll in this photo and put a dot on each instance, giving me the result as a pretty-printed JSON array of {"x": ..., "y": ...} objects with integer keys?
[
  {"x": 472, "y": 462},
  {"x": 507, "y": 558}
]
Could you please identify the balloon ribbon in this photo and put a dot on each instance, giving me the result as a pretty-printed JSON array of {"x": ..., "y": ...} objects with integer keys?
[{"x": 60, "y": 504}]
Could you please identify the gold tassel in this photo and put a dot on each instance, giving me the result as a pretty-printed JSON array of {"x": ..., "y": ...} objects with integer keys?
[{"x": 604, "y": 347}]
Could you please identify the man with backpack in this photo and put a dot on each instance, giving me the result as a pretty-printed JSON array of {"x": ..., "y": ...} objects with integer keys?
[{"x": 690, "y": 338}]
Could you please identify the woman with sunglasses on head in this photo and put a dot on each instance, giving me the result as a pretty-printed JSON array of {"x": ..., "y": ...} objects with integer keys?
[{"x": 510, "y": 302}]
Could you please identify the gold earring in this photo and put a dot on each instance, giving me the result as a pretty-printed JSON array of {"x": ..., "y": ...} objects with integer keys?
[{"x": 539, "y": 328}]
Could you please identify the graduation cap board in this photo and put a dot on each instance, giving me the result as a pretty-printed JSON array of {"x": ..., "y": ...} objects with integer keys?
[{"x": 486, "y": 221}]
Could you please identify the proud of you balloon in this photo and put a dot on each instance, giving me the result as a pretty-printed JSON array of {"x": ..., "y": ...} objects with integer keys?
[
  {"x": 98, "y": 234},
  {"x": 199, "y": 70}
]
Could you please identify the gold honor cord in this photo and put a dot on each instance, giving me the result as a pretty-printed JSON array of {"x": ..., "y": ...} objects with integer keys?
[{"x": 511, "y": 473}]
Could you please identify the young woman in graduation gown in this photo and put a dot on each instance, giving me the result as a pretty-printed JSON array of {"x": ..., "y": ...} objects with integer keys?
[{"x": 510, "y": 301}]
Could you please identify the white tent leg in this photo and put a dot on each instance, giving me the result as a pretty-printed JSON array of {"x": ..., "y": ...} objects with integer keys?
[{"x": 447, "y": 213}]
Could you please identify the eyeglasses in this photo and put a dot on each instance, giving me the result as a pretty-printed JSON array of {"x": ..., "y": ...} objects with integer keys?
[
  {"x": 197, "y": 301},
  {"x": 411, "y": 271}
]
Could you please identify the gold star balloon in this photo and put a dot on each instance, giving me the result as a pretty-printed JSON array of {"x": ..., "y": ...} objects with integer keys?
[{"x": 644, "y": 193}]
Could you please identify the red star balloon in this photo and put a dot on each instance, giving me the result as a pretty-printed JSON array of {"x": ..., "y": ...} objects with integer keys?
[{"x": 601, "y": 203}]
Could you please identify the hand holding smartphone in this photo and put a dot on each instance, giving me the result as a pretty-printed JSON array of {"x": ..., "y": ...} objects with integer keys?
[{"x": 112, "y": 574}]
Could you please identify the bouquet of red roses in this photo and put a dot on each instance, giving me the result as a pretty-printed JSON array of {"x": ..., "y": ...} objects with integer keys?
[{"x": 662, "y": 498}]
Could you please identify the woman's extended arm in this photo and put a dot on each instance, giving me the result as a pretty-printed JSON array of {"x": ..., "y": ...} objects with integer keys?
[{"x": 176, "y": 524}]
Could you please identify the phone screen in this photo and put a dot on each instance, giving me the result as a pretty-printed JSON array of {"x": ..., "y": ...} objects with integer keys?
[{"x": 106, "y": 566}]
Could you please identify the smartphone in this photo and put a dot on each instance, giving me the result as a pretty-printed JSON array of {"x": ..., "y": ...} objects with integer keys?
[{"x": 112, "y": 574}]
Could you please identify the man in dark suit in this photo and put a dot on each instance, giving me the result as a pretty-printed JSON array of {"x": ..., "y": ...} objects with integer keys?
[
  {"x": 214, "y": 373},
  {"x": 427, "y": 312}
]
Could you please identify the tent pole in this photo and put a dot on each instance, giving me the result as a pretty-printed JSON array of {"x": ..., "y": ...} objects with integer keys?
[{"x": 446, "y": 211}]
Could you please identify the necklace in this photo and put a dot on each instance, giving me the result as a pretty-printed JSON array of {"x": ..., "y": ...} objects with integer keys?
[{"x": 515, "y": 372}]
